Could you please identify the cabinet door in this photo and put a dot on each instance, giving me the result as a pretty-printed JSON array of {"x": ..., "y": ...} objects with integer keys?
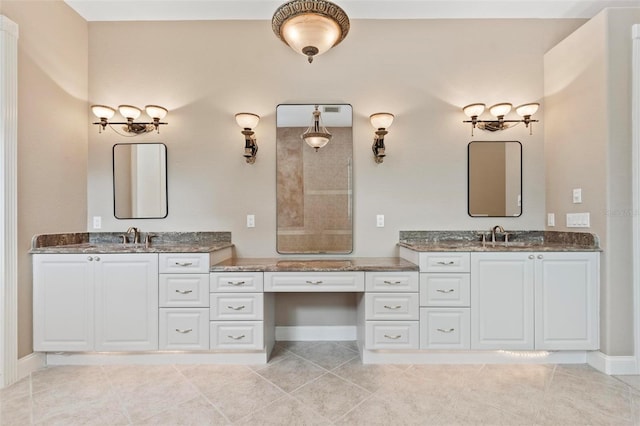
[
  {"x": 63, "y": 297},
  {"x": 126, "y": 302},
  {"x": 567, "y": 301},
  {"x": 502, "y": 301}
]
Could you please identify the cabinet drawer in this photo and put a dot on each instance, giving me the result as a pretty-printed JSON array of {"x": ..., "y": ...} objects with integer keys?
[
  {"x": 442, "y": 328},
  {"x": 235, "y": 282},
  {"x": 392, "y": 306},
  {"x": 184, "y": 290},
  {"x": 445, "y": 262},
  {"x": 391, "y": 281},
  {"x": 313, "y": 281},
  {"x": 246, "y": 335},
  {"x": 392, "y": 335},
  {"x": 184, "y": 329},
  {"x": 236, "y": 306},
  {"x": 445, "y": 289},
  {"x": 184, "y": 263}
]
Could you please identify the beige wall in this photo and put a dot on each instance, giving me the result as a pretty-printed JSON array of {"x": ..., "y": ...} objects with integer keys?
[
  {"x": 423, "y": 71},
  {"x": 52, "y": 132},
  {"x": 588, "y": 146}
]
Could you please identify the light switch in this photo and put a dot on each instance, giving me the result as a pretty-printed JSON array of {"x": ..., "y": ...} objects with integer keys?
[
  {"x": 251, "y": 221},
  {"x": 578, "y": 220},
  {"x": 551, "y": 219},
  {"x": 380, "y": 221},
  {"x": 577, "y": 195}
]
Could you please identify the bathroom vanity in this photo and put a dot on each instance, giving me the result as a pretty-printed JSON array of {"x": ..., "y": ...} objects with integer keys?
[{"x": 440, "y": 301}]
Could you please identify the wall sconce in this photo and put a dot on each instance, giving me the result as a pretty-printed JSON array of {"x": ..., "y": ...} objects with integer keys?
[
  {"x": 473, "y": 111},
  {"x": 130, "y": 113},
  {"x": 380, "y": 121},
  {"x": 248, "y": 121}
]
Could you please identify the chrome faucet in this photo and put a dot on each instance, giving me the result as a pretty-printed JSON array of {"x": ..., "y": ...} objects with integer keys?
[
  {"x": 136, "y": 234},
  {"x": 496, "y": 229}
]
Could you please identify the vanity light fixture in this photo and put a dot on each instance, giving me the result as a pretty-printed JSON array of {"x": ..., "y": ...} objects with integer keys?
[
  {"x": 380, "y": 121},
  {"x": 499, "y": 111},
  {"x": 130, "y": 113},
  {"x": 248, "y": 121},
  {"x": 310, "y": 27},
  {"x": 316, "y": 136}
]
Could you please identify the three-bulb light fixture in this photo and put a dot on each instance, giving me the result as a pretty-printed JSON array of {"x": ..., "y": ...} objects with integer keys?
[
  {"x": 130, "y": 113},
  {"x": 380, "y": 121},
  {"x": 247, "y": 122},
  {"x": 310, "y": 27},
  {"x": 473, "y": 111}
]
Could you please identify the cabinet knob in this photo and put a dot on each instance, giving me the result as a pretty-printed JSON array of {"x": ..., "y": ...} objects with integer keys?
[
  {"x": 531, "y": 256},
  {"x": 97, "y": 259},
  {"x": 540, "y": 256},
  {"x": 89, "y": 258}
]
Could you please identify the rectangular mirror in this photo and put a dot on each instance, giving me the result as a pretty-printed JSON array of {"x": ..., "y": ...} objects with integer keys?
[
  {"x": 314, "y": 186},
  {"x": 140, "y": 181},
  {"x": 495, "y": 179}
]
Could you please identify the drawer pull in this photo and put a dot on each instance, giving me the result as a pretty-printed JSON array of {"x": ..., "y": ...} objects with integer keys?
[
  {"x": 442, "y": 330},
  {"x": 396, "y": 337},
  {"x": 184, "y": 331},
  {"x": 236, "y": 283},
  {"x": 439, "y": 290},
  {"x": 451, "y": 262},
  {"x": 184, "y": 263},
  {"x": 314, "y": 282},
  {"x": 393, "y": 282},
  {"x": 236, "y": 308},
  {"x": 184, "y": 291},
  {"x": 392, "y": 307},
  {"x": 236, "y": 337}
]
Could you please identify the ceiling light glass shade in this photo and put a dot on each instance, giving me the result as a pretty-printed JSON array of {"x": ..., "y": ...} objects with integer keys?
[
  {"x": 316, "y": 136},
  {"x": 500, "y": 110},
  {"x": 527, "y": 109},
  {"x": 381, "y": 120},
  {"x": 103, "y": 111},
  {"x": 247, "y": 120},
  {"x": 474, "y": 110},
  {"x": 310, "y": 27},
  {"x": 156, "y": 111},
  {"x": 129, "y": 111}
]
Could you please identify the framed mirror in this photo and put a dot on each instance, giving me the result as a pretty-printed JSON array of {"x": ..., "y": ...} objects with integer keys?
[
  {"x": 495, "y": 179},
  {"x": 314, "y": 186},
  {"x": 140, "y": 181}
]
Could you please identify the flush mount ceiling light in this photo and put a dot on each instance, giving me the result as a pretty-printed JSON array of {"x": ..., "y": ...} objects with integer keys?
[
  {"x": 316, "y": 136},
  {"x": 130, "y": 113},
  {"x": 473, "y": 111},
  {"x": 310, "y": 27},
  {"x": 248, "y": 121}
]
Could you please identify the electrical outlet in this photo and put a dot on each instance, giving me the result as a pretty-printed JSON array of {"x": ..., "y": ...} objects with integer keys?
[
  {"x": 577, "y": 195},
  {"x": 251, "y": 221},
  {"x": 97, "y": 222},
  {"x": 380, "y": 221},
  {"x": 551, "y": 219}
]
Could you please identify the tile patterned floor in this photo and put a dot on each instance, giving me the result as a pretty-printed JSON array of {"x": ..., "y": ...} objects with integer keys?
[{"x": 322, "y": 383}]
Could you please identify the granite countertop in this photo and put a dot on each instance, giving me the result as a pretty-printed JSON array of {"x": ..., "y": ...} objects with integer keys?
[
  {"x": 314, "y": 265},
  {"x": 547, "y": 241},
  {"x": 109, "y": 242}
]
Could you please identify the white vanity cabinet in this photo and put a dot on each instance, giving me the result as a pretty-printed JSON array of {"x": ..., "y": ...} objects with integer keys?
[
  {"x": 95, "y": 302},
  {"x": 184, "y": 301},
  {"x": 542, "y": 301}
]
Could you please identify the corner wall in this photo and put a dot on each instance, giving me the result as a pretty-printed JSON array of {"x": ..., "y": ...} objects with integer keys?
[
  {"x": 588, "y": 146},
  {"x": 52, "y": 134}
]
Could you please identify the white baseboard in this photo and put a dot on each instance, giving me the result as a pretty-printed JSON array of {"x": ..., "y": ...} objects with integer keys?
[
  {"x": 30, "y": 363},
  {"x": 612, "y": 365},
  {"x": 313, "y": 333}
]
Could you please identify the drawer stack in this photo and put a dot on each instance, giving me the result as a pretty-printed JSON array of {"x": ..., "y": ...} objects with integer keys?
[
  {"x": 184, "y": 301},
  {"x": 236, "y": 304},
  {"x": 445, "y": 320},
  {"x": 391, "y": 310}
]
